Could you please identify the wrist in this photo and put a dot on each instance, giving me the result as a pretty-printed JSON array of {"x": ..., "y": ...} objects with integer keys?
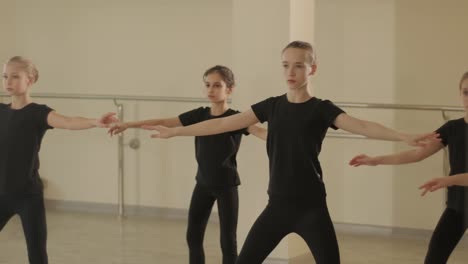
[
  {"x": 377, "y": 160},
  {"x": 403, "y": 137},
  {"x": 95, "y": 122}
]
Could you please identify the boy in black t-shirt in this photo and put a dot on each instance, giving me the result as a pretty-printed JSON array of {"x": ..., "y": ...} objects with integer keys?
[
  {"x": 453, "y": 222},
  {"x": 297, "y": 124},
  {"x": 23, "y": 125},
  {"x": 217, "y": 177}
]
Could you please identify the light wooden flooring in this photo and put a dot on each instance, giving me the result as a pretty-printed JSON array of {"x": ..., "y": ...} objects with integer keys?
[{"x": 100, "y": 239}]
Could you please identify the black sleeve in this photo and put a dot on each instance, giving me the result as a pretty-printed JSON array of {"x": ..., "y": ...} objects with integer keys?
[
  {"x": 42, "y": 113},
  {"x": 329, "y": 112},
  {"x": 262, "y": 109},
  {"x": 191, "y": 117},
  {"x": 444, "y": 132}
]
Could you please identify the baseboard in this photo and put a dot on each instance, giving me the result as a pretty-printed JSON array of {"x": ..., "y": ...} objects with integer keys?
[
  {"x": 130, "y": 210},
  {"x": 276, "y": 261},
  {"x": 358, "y": 229}
]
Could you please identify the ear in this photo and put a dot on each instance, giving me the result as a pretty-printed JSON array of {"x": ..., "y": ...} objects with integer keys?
[
  {"x": 229, "y": 90},
  {"x": 30, "y": 81},
  {"x": 313, "y": 69}
]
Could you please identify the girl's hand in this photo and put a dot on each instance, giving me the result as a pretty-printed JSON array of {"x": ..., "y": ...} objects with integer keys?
[
  {"x": 106, "y": 120},
  {"x": 163, "y": 132},
  {"x": 435, "y": 184},
  {"x": 363, "y": 160},
  {"x": 117, "y": 128}
]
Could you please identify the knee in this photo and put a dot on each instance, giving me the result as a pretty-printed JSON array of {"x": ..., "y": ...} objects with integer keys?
[
  {"x": 194, "y": 238},
  {"x": 229, "y": 243}
]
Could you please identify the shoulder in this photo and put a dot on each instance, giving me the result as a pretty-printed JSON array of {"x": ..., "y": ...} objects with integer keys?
[{"x": 454, "y": 123}]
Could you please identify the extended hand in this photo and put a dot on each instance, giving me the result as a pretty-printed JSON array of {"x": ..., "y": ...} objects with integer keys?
[
  {"x": 163, "y": 132},
  {"x": 106, "y": 120},
  {"x": 117, "y": 128},
  {"x": 362, "y": 160}
]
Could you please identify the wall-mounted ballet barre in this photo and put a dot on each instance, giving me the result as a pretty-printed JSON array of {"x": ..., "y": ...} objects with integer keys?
[{"x": 134, "y": 143}]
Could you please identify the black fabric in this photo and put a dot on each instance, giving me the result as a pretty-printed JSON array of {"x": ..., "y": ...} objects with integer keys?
[
  {"x": 215, "y": 154},
  {"x": 21, "y": 133},
  {"x": 281, "y": 218},
  {"x": 31, "y": 210},
  {"x": 454, "y": 134},
  {"x": 446, "y": 236},
  {"x": 199, "y": 213},
  {"x": 295, "y": 135}
]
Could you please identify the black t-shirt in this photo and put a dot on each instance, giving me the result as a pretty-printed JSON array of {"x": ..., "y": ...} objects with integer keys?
[
  {"x": 295, "y": 135},
  {"x": 21, "y": 133},
  {"x": 215, "y": 154},
  {"x": 454, "y": 134}
]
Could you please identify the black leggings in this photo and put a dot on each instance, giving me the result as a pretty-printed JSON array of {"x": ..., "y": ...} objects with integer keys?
[
  {"x": 199, "y": 212},
  {"x": 31, "y": 211},
  {"x": 281, "y": 218},
  {"x": 446, "y": 236}
]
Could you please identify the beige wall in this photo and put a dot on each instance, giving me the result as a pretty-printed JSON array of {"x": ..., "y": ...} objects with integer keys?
[
  {"x": 431, "y": 57},
  {"x": 401, "y": 52}
]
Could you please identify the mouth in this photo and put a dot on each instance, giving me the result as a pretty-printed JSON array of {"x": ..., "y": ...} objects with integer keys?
[{"x": 291, "y": 81}]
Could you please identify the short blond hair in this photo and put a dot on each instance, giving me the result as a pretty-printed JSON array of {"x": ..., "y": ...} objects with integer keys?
[
  {"x": 303, "y": 45},
  {"x": 27, "y": 65},
  {"x": 463, "y": 78}
]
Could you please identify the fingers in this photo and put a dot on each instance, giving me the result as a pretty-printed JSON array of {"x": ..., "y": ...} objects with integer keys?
[
  {"x": 356, "y": 161},
  {"x": 424, "y": 192}
]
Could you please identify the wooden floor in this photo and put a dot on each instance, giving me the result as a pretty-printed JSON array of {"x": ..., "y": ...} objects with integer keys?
[{"x": 100, "y": 239}]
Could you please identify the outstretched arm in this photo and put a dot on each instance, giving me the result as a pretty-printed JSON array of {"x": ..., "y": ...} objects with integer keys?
[
  {"x": 258, "y": 131},
  {"x": 209, "y": 127},
  {"x": 77, "y": 123},
  {"x": 121, "y": 127},
  {"x": 404, "y": 157},
  {"x": 443, "y": 182},
  {"x": 377, "y": 131}
]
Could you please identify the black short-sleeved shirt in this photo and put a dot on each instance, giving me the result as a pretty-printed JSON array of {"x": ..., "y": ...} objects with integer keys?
[
  {"x": 21, "y": 133},
  {"x": 454, "y": 134},
  {"x": 215, "y": 154},
  {"x": 295, "y": 135}
]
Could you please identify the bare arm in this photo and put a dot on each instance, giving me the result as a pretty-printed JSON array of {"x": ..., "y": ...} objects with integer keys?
[
  {"x": 404, "y": 157},
  {"x": 377, "y": 131},
  {"x": 209, "y": 127},
  {"x": 77, "y": 123},
  {"x": 258, "y": 131},
  {"x": 167, "y": 122}
]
